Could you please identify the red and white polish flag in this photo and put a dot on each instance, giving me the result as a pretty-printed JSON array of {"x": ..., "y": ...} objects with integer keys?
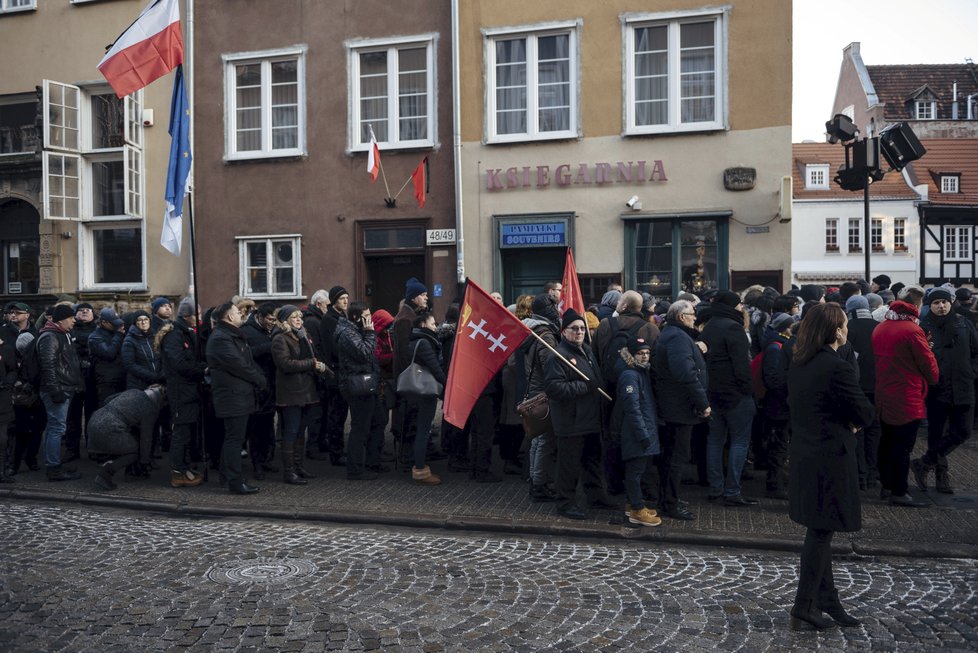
[
  {"x": 373, "y": 157},
  {"x": 149, "y": 49}
]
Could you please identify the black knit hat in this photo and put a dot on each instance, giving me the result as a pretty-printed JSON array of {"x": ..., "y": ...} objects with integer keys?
[
  {"x": 336, "y": 292},
  {"x": 882, "y": 280},
  {"x": 62, "y": 312},
  {"x": 570, "y": 316},
  {"x": 728, "y": 297},
  {"x": 939, "y": 293},
  {"x": 545, "y": 306}
]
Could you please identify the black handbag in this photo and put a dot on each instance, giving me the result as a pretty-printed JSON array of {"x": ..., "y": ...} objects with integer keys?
[
  {"x": 361, "y": 385},
  {"x": 417, "y": 381}
]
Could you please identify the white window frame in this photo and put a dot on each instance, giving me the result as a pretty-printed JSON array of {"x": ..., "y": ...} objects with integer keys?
[
  {"x": 950, "y": 184},
  {"x": 858, "y": 222},
  {"x": 817, "y": 176},
  {"x": 74, "y": 142},
  {"x": 86, "y": 253},
  {"x": 876, "y": 227},
  {"x": 925, "y": 110},
  {"x": 674, "y": 19},
  {"x": 244, "y": 241},
  {"x": 958, "y": 243},
  {"x": 572, "y": 29},
  {"x": 900, "y": 235},
  {"x": 832, "y": 234},
  {"x": 354, "y": 48},
  {"x": 6, "y": 8},
  {"x": 265, "y": 58}
]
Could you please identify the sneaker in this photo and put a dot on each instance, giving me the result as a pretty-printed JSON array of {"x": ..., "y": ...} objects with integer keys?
[
  {"x": 908, "y": 501},
  {"x": 541, "y": 494},
  {"x": 185, "y": 478},
  {"x": 920, "y": 470},
  {"x": 645, "y": 517}
]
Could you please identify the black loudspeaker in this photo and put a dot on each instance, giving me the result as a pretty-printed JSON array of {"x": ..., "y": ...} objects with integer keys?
[{"x": 900, "y": 145}]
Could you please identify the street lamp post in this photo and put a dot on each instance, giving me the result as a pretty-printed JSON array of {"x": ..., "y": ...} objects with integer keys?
[{"x": 897, "y": 144}]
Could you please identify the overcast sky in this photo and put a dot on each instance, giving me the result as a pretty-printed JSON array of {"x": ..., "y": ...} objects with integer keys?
[{"x": 890, "y": 32}]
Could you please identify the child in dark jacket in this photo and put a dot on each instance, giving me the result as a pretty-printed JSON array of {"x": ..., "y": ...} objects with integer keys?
[{"x": 635, "y": 423}]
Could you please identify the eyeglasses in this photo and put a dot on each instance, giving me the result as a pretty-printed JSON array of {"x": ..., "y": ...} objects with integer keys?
[
  {"x": 688, "y": 314},
  {"x": 576, "y": 328}
]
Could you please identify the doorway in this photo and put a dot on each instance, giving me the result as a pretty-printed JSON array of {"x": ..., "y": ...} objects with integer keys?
[
  {"x": 19, "y": 248},
  {"x": 526, "y": 270},
  {"x": 385, "y": 278}
]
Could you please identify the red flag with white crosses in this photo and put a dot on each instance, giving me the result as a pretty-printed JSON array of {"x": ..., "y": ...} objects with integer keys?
[{"x": 487, "y": 335}]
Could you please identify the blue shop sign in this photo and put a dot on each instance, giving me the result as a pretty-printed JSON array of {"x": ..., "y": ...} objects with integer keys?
[{"x": 533, "y": 234}]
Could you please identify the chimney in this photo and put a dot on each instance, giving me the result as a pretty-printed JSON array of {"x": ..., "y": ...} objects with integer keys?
[{"x": 954, "y": 103}]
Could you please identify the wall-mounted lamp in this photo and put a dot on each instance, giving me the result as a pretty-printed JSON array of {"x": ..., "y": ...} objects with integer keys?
[{"x": 66, "y": 235}]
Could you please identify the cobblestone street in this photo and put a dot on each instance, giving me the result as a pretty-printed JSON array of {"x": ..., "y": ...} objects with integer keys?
[{"x": 80, "y": 579}]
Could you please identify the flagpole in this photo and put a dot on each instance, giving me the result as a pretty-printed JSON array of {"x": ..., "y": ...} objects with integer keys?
[
  {"x": 380, "y": 163},
  {"x": 568, "y": 363},
  {"x": 406, "y": 182}
]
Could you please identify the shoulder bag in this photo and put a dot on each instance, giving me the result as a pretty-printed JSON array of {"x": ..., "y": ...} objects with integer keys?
[
  {"x": 535, "y": 411},
  {"x": 417, "y": 381}
]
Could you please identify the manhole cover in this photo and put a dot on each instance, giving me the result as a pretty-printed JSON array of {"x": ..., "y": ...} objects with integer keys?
[{"x": 262, "y": 570}]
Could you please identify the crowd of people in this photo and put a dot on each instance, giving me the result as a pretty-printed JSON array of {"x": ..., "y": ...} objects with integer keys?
[
  {"x": 658, "y": 385},
  {"x": 823, "y": 390}
]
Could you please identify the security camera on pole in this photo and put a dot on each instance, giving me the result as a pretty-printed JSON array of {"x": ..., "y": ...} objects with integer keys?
[{"x": 897, "y": 144}]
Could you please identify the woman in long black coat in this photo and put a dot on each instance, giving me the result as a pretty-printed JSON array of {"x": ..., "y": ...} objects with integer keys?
[{"x": 827, "y": 409}]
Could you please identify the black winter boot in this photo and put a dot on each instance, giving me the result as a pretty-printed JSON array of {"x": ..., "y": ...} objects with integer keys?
[
  {"x": 288, "y": 465},
  {"x": 103, "y": 480},
  {"x": 829, "y": 603},
  {"x": 297, "y": 459},
  {"x": 59, "y": 473},
  {"x": 805, "y": 616}
]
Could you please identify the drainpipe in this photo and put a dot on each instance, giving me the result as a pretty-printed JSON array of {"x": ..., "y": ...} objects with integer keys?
[{"x": 457, "y": 146}]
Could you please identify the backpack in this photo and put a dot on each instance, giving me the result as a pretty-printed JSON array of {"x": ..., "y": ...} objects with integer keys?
[
  {"x": 619, "y": 339},
  {"x": 757, "y": 372}
]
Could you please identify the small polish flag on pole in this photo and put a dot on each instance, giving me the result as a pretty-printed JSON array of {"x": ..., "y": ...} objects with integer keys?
[
  {"x": 150, "y": 48},
  {"x": 373, "y": 157}
]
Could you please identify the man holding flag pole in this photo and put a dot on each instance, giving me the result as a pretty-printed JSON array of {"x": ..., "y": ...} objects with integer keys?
[{"x": 487, "y": 336}]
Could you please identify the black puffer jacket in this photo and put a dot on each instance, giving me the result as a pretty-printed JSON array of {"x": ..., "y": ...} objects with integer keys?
[
  {"x": 235, "y": 379},
  {"x": 681, "y": 376},
  {"x": 575, "y": 405},
  {"x": 425, "y": 348},
  {"x": 355, "y": 350},
  {"x": 142, "y": 363},
  {"x": 954, "y": 342},
  {"x": 727, "y": 356},
  {"x": 182, "y": 369},
  {"x": 105, "y": 352},
  {"x": 327, "y": 336},
  {"x": 60, "y": 370}
]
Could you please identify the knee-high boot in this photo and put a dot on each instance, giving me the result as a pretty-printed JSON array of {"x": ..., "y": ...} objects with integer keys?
[
  {"x": 288, "y": 464},
  {"x": 298, "y": 459}
]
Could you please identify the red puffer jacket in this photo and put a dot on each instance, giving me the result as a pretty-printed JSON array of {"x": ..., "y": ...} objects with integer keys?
[{"x": 905, "y": 366}]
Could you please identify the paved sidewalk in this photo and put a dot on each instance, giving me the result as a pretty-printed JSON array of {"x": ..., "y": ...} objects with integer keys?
[{"x": 949, "y": 528}]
